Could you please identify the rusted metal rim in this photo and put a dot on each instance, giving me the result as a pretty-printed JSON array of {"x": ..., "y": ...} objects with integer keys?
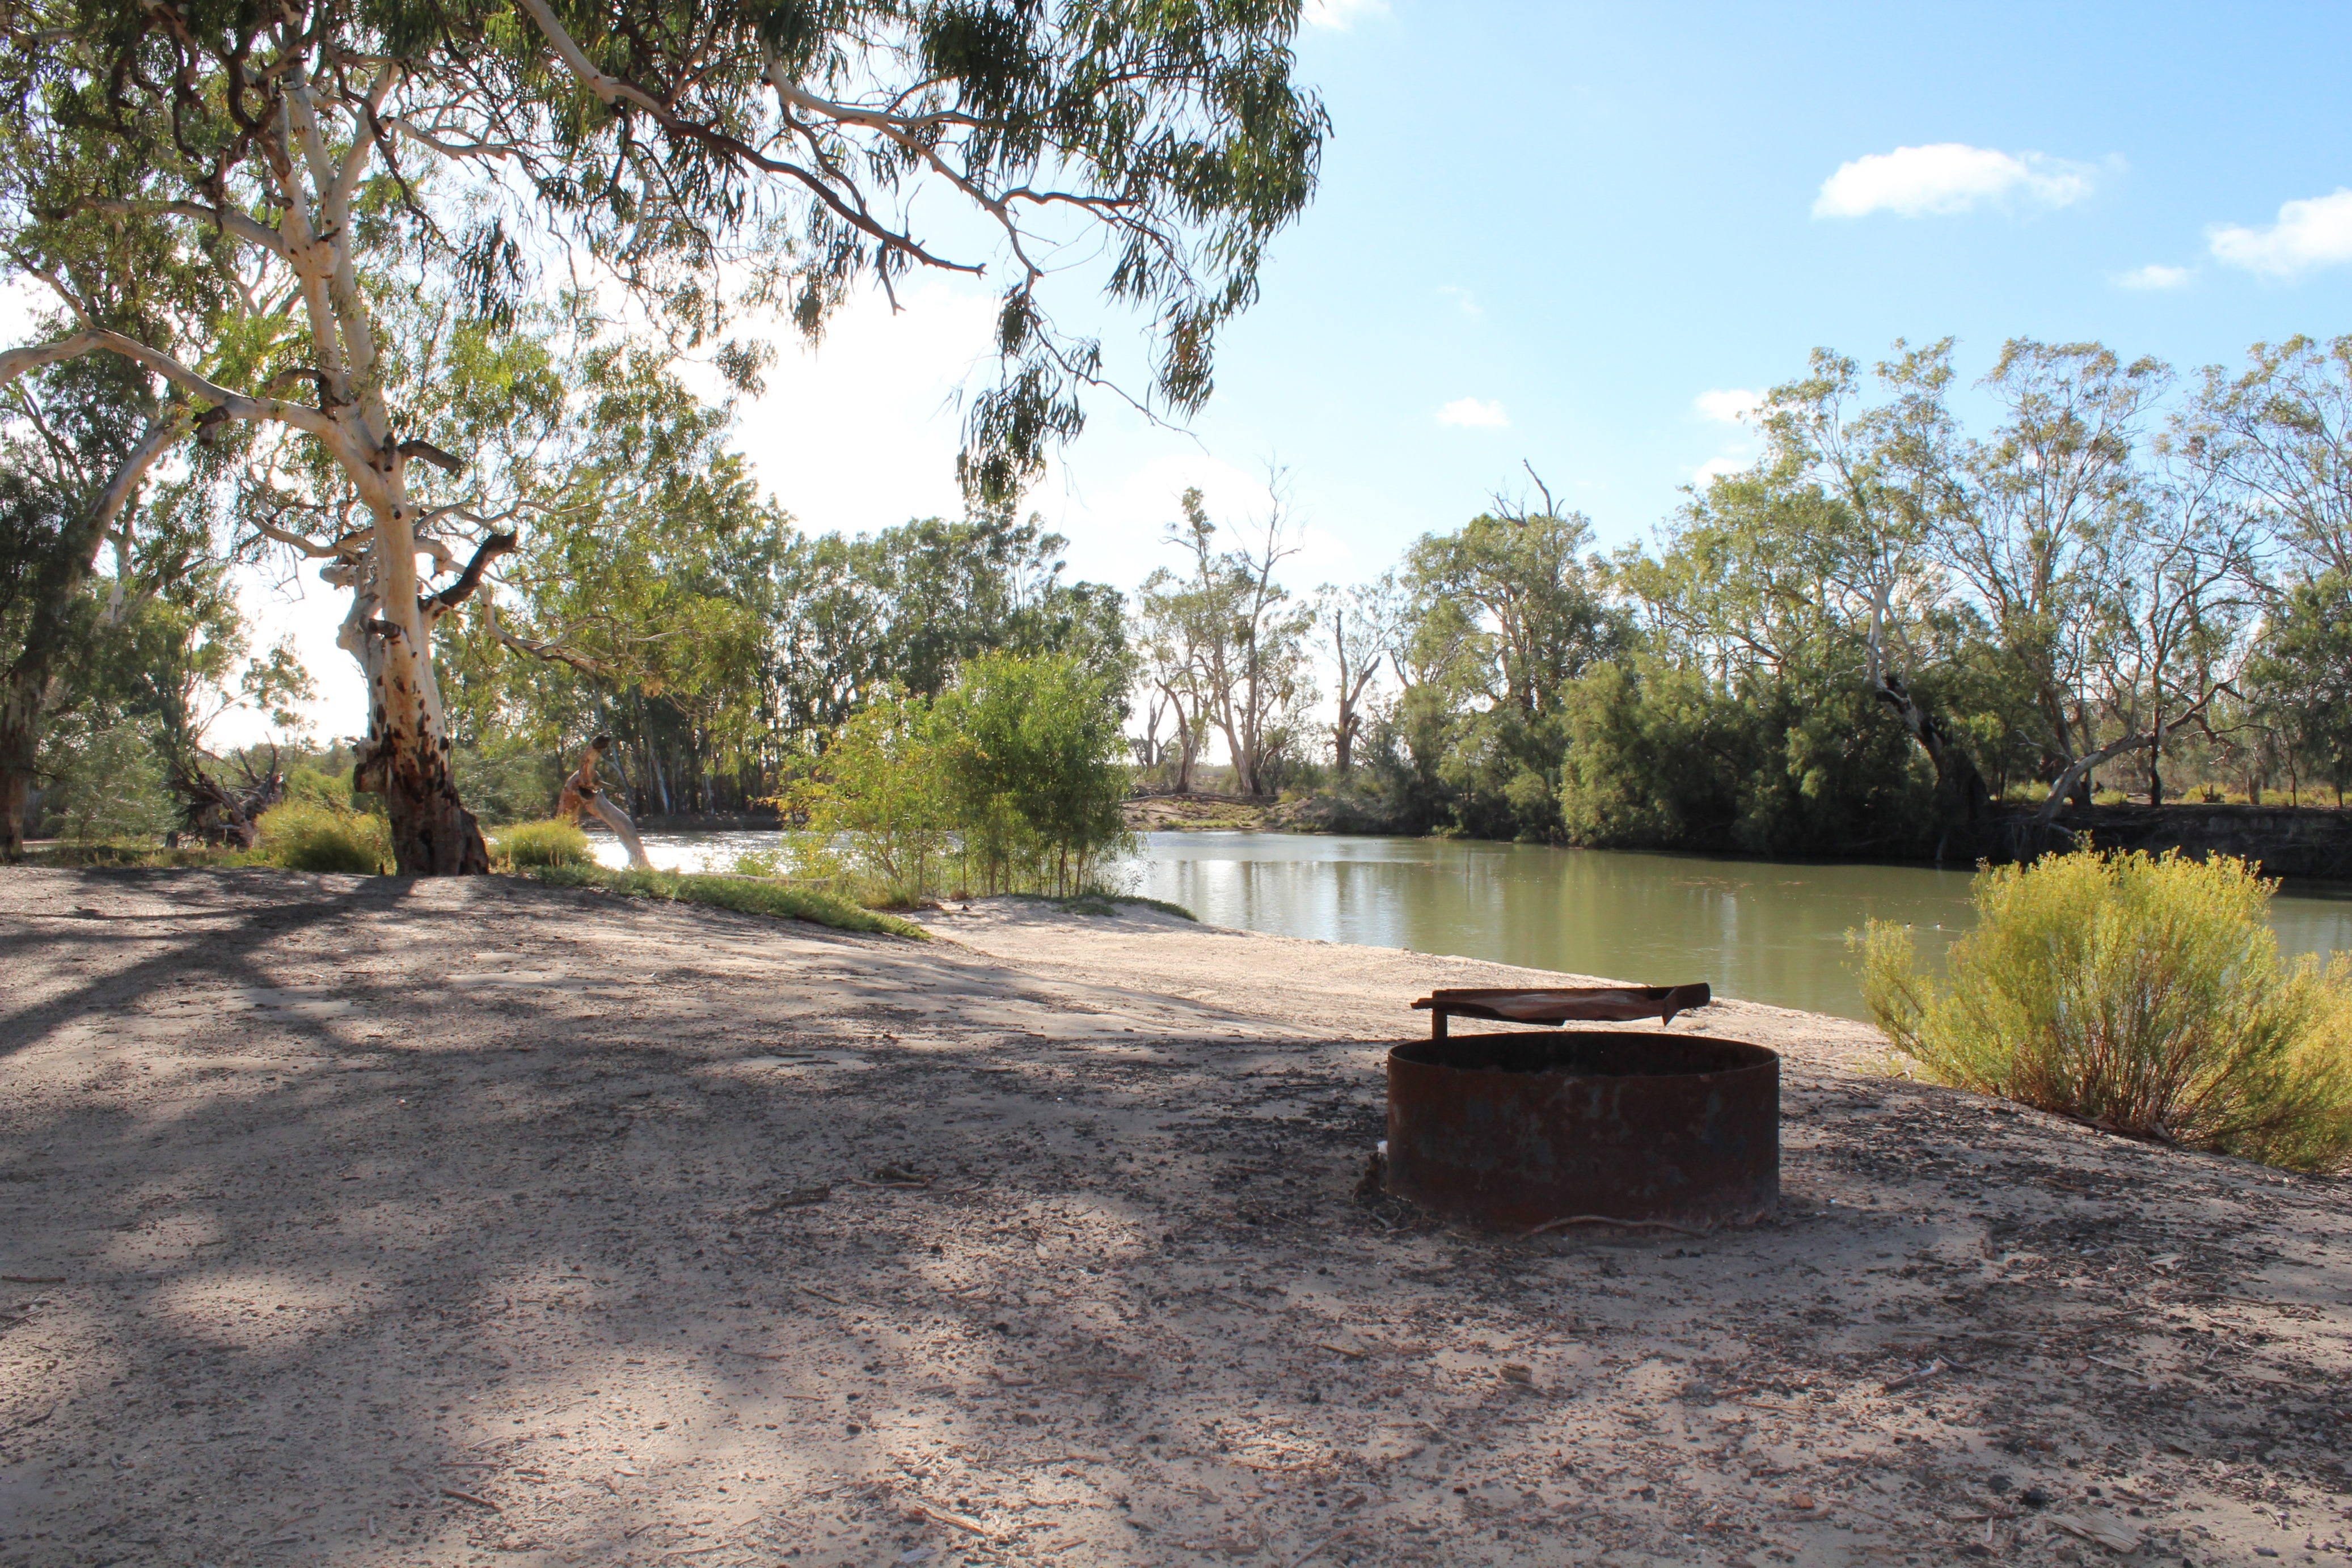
[
  {"x": 1519, "y": 1130},
  {"x": 1562, "y": 1004}
]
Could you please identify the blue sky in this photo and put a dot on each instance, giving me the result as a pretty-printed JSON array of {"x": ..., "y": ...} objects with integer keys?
[
  {"x": 1569, "y": 225},
  {"x": 1548, "y": 232},
  {"x": 1590, "y": 216}
]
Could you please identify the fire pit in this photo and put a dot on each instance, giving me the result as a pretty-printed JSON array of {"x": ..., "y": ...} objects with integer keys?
[{"x": 1523, "y": 1131}]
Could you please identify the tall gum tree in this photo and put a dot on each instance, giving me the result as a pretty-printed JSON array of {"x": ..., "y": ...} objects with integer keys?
[
  {"x": 705, "y": 156},
  {"x": 67, "y": 490},
  {"x": 76, "y": 455},
  {"x": 1889, "y": 474}
]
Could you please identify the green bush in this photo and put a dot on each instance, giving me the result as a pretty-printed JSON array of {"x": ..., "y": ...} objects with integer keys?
[
  {"x": 554, "y": 841},
  {"x": 759, "y": 862},
  {"x": 306, "y": 835},
  {"x": 2141, "y": 994},
  {"x": 113, "y": 792},
  {"x": 1010, "y": 780},
  {"x": 312, "y": 786}
]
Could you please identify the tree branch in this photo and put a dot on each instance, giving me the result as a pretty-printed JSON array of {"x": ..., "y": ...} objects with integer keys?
[
  {"x": 15, "y": 362},
  {"x": 554, "y": 654},
  {"x": 160, "y": 434},
  {"x": 449, "y": 598},
  {"x": 228, "y": 220},
  {"x": 455, "y": 152},
  {"x": 611, "y": 90},
  {"x": 346, "y": 548},
  {"x": 433, "y": 455}
]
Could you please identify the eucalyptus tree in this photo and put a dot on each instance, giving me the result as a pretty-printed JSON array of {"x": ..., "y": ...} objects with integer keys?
[
  {"x": 2278, "y": 434},
  {"x": 1174, "y": 625},
  {"x": 2281, "y": 433},
  {"x": 2166, "y": 631},
  {"x": 74, "y": 464},
  {"x": 1521, "y": 580},
  {"x": 1236, "y": 640},
  {"x": 2300, "y": 678},
  {"x": 1356, "y": 638},
  {"x": 1846, "y": 516},
  {"x": 2045, "y": 527},
  {"x": 850, "y": 618},
  {"x": 76, "y": 457},
  {"x": 703, "y": 156},
  {"x": 634, "y": 601}
]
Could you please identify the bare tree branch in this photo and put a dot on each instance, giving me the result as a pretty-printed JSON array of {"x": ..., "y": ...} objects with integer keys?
[{"x": 489, "y": 550}]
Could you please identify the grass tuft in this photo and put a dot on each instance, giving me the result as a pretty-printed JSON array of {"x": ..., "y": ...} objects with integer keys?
[
  {"x": 747, "y": 896},
  {"x": 554, "y": 841},
  {"x": 306, "y": 835},
  {"x": 2138, "y": 993}
]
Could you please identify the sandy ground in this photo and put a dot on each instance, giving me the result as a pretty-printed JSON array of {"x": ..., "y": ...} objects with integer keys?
[
  {"x": 1177, "y": 813},
  {"x": 368, "y": 1222}
]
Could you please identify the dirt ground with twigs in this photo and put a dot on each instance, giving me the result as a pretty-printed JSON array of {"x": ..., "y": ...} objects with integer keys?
[{"x": 365, "y": 1221}]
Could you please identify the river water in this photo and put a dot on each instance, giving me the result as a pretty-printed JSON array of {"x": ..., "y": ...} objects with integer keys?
[{"x": 1767, "y": 931}]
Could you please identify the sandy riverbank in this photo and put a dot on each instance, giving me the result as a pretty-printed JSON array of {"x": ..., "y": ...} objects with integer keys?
[{"x": 368, "y": 1222}]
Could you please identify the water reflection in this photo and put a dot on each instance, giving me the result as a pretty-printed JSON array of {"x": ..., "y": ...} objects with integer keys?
[{"x": 1764, "y": 930}]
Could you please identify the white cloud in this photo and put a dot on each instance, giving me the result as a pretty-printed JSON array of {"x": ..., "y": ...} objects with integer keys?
[
  {"x": 1486, "y": 414},
  {"x": 1728, "y": 405},
  {"x": 1462, "y": 297},
  {"x": 2315, "y": 232},
  {"x": 1341, "y": 14},
  {"x": 1947, "y": 177},
  {"x": 1715, "y": 468},
  {"x": 2155, "y": 275}
]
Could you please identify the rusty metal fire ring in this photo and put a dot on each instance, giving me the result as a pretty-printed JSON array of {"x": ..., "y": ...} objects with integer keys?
[{"x": 1520, "y": 1130}]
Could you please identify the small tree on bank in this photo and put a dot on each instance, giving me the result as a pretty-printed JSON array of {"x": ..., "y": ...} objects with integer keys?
[
  {"x": 1232, "y": 645},
  {"x": 1009, "y": 781}
]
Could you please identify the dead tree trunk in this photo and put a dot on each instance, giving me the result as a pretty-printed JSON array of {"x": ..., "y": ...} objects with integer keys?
[
  {"x": 1187, "y": 740},
  {"x": 583, "y": 793},
  {"x": 1349, "y": 722}
]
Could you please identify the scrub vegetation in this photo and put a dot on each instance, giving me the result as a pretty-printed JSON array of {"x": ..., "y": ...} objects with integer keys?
[
  {"x": 2141, "y": 994},
  {"x": 744, "y": 895}
]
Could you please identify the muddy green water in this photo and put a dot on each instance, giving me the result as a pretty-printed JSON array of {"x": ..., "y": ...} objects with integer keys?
[{"x": 1768, "y": 931}]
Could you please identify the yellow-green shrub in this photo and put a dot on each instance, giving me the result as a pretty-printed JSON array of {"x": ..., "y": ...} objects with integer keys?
[
  {"x": 555, "y": 841},
  {"x": 2138, "y": 993},
  {"x": 307, "y": 835}
]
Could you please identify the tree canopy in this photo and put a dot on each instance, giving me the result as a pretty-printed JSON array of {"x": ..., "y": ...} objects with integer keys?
[{"x": 316, "y": 163}]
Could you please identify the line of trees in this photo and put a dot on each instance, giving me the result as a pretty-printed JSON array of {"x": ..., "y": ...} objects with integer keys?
[
  {"x": 1890, "y": 623},
  {"x": 1885, "y": 632}
]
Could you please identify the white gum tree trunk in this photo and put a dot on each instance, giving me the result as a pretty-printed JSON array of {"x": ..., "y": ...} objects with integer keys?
[{"x": 388, "y": 628}]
